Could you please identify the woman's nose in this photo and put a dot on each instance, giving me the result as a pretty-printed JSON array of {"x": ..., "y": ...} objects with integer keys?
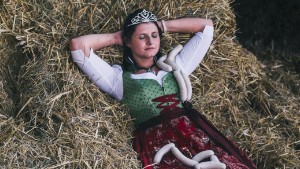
[{"x": 149, "y": 41}]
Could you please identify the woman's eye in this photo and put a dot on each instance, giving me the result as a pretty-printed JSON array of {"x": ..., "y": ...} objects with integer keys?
[
  {"x": 142, "y": 37},
  {"x": 155, "y": 35}
]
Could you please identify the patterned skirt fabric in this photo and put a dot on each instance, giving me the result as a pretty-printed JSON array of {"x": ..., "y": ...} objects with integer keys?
[{"x": 189, "y": 137}]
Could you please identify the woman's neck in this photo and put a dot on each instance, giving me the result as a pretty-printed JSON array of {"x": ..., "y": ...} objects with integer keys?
[
  {"x": 143, "y": 66},
  {"x": 144, "y": 62}
]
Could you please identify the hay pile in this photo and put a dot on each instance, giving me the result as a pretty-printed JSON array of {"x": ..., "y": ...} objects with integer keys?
[{"x": 53, "y": 117}]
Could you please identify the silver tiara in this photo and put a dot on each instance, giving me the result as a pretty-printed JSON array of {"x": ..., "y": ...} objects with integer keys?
[{"x": 144, "y": 16}]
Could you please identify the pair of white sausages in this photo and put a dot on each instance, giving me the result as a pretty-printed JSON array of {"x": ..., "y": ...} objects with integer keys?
[
  {"x": 168, "y": 64},
  {"x": 194, "y": 162}
]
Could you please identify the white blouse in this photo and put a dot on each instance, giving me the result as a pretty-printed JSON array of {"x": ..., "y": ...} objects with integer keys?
[{"x": 109, "y": 78}]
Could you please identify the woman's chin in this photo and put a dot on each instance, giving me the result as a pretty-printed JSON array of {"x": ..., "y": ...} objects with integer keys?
[{"x": 151, "y": 54}]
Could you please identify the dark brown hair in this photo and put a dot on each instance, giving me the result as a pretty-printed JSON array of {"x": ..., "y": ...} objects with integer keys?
[{"x": 128, "y": 61}]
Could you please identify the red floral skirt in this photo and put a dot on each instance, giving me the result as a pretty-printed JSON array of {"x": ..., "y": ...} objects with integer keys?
[{"x": 189, "y": 136}]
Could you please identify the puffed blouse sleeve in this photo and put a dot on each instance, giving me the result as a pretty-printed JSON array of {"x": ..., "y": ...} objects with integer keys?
[
  {"x": 194, "y": 50},
  {"x": 106, "y": 77}
]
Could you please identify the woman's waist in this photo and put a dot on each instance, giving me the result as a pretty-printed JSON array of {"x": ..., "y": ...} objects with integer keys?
[{"x": 161, "y": 118}]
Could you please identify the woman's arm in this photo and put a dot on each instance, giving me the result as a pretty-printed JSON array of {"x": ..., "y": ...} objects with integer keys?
[
  {"x": 195, "y": 49},
  {"x": 95, "y": 41},
  {"x": 186, "y": 25},
  {"x": 107, "y": 78}
]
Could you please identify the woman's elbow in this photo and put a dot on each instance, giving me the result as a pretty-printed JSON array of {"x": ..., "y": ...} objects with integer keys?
[
  {"x": 203, "y": 23},
  {"x": 209, "y": 22},
  {"x": 74, "y": 44}
]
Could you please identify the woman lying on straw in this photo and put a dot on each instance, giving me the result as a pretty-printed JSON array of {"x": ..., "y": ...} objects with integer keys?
[{"x": 156, "y": 89}]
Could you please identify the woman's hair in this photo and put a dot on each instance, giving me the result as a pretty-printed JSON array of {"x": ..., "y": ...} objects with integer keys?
[{"x": 128, "y": 61}]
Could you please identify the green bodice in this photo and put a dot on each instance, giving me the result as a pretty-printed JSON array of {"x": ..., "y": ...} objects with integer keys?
[{"x": 139, "y": 94}]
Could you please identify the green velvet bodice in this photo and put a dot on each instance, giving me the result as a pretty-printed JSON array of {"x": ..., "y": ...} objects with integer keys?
[{"x": 139, "y": 94}]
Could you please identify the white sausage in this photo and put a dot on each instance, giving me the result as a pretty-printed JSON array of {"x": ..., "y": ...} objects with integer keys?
[
  {"x": 161, "y": 64},
  {"x": 174, "y": 52},
  {"x": 188, "y": 85},
  {"x": 183, "y": 158},
  {"x": 162, "y": 151},
  {"x": 171, "y": 62},
  {"x": 210, "y": 165},
  {"x": 168, "y": 64},
  {"x": 214, "y": 158},
  {"x": 181, "y": 84},
  {"x": 202, "y": 155}
]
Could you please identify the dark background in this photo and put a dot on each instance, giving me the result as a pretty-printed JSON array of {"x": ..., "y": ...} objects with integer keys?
[{"x": 270, "y": 29}]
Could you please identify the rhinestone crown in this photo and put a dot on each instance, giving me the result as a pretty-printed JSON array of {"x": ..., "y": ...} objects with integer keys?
[{"x": 142, "y": 17}]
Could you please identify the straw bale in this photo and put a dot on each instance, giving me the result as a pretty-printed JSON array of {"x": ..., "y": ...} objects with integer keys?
[
  {"x": 6, "y": 107},
  {"x": 62, "y": 120}
]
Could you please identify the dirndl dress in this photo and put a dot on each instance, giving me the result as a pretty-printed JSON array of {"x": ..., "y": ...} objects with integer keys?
[{"x": 161, "y": 118}]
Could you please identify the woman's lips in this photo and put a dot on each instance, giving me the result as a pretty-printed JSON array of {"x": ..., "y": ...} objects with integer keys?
[{"x": 150, "y": 48}]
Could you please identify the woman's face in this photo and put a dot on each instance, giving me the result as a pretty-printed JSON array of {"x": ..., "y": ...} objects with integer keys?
[{"x": 145, "y": 41}]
